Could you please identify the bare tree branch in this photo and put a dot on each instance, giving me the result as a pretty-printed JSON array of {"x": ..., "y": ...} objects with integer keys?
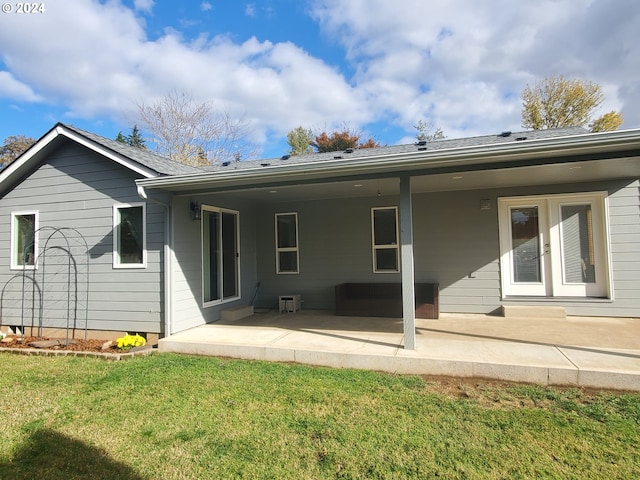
[{"x": 193, "y": 132}]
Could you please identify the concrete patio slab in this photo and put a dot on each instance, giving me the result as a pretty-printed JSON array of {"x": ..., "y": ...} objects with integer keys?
[{"x": 588, "y": 352}]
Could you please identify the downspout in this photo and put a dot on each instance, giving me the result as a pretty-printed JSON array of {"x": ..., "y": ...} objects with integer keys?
[{"x": 168, "y": 259}]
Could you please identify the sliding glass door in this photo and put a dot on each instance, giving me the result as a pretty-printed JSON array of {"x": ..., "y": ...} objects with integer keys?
[{"x": 220, "y": 255}]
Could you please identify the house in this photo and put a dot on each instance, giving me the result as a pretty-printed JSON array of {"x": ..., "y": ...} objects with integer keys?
[
  {"x": 527, "y": 219},
  {"x": 74, "y": 192}
]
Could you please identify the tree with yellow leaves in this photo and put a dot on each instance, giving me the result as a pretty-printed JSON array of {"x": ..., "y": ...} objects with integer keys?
[{"x": 556, "y": 102}]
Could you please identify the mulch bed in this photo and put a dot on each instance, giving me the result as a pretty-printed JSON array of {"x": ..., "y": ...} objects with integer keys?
[{"x": 60, "y": 344}]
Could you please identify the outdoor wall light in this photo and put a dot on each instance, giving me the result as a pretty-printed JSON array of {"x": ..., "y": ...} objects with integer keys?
[{"x": 194, "y": 210}]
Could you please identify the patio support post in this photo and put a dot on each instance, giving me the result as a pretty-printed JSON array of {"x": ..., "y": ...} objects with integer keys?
[{"x": 406, "y": 261}]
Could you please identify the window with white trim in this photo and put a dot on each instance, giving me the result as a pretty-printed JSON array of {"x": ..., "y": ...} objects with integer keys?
[
  {"x": 129, "y": 236},
  {"x": 287, "y": 254},
  {"x": 24, "y": 240},
  {"x": 384, "y": 234}
]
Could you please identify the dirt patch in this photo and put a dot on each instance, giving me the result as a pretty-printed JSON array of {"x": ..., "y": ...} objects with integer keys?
[{"x": 75, "y": 345}]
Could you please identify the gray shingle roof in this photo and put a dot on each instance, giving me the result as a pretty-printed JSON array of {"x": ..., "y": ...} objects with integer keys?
[
  {"x": 446, "y": 144},
  {"x": 158, "y": 163}
]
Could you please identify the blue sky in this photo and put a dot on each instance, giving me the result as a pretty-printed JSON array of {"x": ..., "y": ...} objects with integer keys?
[{"x": 378, "y": 66}]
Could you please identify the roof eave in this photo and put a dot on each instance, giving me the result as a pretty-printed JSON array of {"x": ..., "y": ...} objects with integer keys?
[
  {"x": 24, "y": 162},
  {"x": 495, "y": 154}
]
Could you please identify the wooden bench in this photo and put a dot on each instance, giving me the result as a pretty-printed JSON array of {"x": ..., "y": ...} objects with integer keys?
[{"x": 384, "y": 300}]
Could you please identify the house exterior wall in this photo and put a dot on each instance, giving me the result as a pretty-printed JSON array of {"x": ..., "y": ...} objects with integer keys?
[
  {"x": 77, "y": 188},
  {"x": 188, "y": 309},
  {"x": 456, "y": 244}
]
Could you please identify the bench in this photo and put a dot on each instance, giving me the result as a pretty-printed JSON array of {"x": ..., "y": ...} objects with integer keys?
[{"x": 385, "y": 300}]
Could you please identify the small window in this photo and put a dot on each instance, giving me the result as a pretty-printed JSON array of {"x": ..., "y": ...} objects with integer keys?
[
  {"x": 129, "y": 231},
  {"x": 384, "y": 230},
  {"x": 24, "y": 241},
  {"x": 287, "y": 243}
]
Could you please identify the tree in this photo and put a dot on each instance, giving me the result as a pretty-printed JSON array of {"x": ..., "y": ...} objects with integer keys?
[
  {"x": 300, "y": 140},
  {"x": 13, "y": 147},
  {"x": 341, "y": 140},
  {"x": 427, "y": 133},
  {"x": 561, "y": 102},
  {"x": 134, "y": 139},
  {"x": 183, "y": 129},
  {"x": 606, "y": 123}
]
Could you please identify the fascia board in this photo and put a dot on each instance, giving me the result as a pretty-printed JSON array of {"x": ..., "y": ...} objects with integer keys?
[
  {"x": 393, "y": 163},
  {"x": 22, "y": 162}
]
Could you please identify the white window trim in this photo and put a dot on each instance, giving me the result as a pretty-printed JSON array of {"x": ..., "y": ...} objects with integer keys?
[
  {"x": 213, "y": 303},
  {"x": 287, "y": 249},
  {"x": 505, "y": 263},
  {"x": 375, "y": 247},
  {"x": 116, "y": 254},
  {"x": 12, "y": 252}
]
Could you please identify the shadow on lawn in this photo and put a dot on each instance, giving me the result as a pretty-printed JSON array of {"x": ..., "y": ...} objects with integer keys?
[{"x": 49, "y": 455}]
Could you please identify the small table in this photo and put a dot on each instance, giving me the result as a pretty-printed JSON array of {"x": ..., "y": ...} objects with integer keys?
[{"x": 289, "y": 303}]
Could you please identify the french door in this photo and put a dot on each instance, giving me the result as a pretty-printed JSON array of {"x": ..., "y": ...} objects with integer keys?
[
  {"x": 220, "y": 255},
  {"x": 554, "y": 246}
]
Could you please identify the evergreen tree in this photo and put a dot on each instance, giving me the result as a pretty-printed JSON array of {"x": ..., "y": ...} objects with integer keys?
[{"x": 135, "y": 139}]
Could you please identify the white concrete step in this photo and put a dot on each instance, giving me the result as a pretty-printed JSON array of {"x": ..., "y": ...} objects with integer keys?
[{"x": 533, "y": 311}]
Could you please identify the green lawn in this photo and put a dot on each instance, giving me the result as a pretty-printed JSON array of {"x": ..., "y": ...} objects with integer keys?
[{"x": 183, "y": 417}]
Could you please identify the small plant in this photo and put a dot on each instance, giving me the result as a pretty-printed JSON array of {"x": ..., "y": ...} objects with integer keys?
[
  {"x": 130, "y": 341},
  {"x": 2, "y": 335}
]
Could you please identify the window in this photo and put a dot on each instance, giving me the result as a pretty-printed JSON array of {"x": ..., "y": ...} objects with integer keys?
[
  {"x": 129, "y": 230},
  {"x": 384, "y": 230},
  {"x": 554, "y": 246},
  {"x": 220, "y": 255},
  {"x": 24, "y": 241},
  {"x": 287, "y": 243}
]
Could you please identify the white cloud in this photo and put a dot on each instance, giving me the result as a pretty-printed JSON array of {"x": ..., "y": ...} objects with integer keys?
[
  {"x": 250, "y": 10},
  {"x": 16, "y": 90},
  {"x": 143, "y": 5},
  {"x": 458, "y": 63},
  {"x": 463, "y": 64}
]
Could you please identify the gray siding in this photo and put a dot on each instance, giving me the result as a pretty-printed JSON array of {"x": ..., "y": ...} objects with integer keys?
[
  {"x": 455, "y": 244},
  {"x": 188, "y": 310},
  {"x": 77, "y": 188},
  {"x": 334, "y": 246}
]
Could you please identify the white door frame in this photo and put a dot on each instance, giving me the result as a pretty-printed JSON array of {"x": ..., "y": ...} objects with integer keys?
[{"x": 552, "y": 279}]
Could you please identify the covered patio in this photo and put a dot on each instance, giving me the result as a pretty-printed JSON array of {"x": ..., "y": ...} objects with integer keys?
[{"x": 591, "y": 352}]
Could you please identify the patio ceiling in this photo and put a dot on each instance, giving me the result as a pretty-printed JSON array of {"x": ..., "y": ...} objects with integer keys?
[
  {"x": 575, "y": 159},
  {"x": 559, "y": 173}
]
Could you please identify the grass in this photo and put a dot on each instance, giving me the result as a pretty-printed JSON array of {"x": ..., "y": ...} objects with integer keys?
[{"x": 182, "y": 417}]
